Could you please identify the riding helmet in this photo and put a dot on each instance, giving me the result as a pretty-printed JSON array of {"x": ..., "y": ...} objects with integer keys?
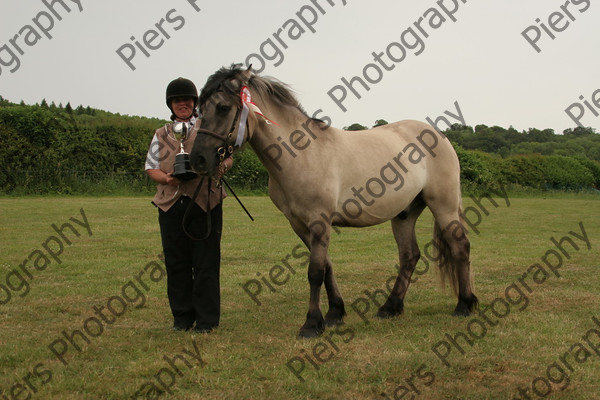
[{"x": 181, "y": 87}]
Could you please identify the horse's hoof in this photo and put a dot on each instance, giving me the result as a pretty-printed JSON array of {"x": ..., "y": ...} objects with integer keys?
[
  {"x": 461, "y": 312},
  {"x": 309, "y": 333},
  {"x": 383, "y": 314},
  {"x": 329, "y": 322},
  {"x": 313, "y": 326},
  {"x": 335, "y": 317},
  {"x": 465, "y": 306},
  {"x": 391, "y": 308}
]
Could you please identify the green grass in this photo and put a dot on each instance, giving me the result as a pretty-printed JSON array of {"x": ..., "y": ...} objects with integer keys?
[{"x": 245, "y": 358}]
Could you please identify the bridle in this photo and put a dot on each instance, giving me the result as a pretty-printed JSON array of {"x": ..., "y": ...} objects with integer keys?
[
  {"x": 228, "y": 142},
  {"x": 226, "y": 149},
  {"x": 223, "y": 151}
]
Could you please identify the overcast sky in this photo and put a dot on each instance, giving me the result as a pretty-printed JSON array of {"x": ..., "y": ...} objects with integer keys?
[{"x": 481, "y": 61}]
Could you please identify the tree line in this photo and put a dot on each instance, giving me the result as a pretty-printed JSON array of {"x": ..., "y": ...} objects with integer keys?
[
  {"x": 53, "y": 149},
  {"x": 539, "y": 159},
  {"x": 49, "y": 148}
]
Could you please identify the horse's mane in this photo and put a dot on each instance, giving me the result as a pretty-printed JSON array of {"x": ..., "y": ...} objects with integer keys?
[
  {"x": 215, "y": 82},
  {"x": 261, "y": 87}
]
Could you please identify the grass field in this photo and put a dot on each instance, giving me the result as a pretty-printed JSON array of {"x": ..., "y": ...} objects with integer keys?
[{"x": 93, "y": 322}]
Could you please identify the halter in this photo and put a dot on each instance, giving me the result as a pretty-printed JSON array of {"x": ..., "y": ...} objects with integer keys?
[
  {"x": 229, "y": 144},
  {"x": 226, "y": 149}
]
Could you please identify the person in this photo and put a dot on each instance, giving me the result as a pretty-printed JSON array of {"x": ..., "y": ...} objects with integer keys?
[{"x": 193, "y": 266}]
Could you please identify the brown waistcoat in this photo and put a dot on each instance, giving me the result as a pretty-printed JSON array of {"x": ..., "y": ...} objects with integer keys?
[{"x": 167, "y": 195}]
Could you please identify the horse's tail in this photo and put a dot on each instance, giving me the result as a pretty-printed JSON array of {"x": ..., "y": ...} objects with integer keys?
[{"x": 448, "y": 265}]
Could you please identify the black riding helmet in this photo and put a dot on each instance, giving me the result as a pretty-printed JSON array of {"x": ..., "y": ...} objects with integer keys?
[{"x": 181, "y": 87}]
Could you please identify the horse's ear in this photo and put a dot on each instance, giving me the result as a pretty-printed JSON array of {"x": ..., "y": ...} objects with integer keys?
[{"x": 247, "y": 74}]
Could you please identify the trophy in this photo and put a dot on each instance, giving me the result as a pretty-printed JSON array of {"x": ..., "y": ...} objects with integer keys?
[{"x": 182, "y": 168}]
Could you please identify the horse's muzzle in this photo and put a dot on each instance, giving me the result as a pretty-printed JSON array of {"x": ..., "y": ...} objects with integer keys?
[
  {"x": 204, "y": 157},
  {"x": 198, "y": 163}
]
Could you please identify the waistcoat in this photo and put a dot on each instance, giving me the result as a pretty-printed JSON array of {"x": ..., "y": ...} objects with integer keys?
[{"x": 167, "y": 195}]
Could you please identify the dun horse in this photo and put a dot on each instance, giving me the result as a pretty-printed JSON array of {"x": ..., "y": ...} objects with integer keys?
[{"x": 320, "y": 177}]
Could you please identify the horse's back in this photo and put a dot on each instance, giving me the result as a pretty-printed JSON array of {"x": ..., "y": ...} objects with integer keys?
[
  {"x": 380, "y": 171},
  {"x": 418, "y": 142}
]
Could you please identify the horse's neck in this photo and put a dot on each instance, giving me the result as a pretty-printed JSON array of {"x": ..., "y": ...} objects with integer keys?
[{"x": 283, "y": 147}]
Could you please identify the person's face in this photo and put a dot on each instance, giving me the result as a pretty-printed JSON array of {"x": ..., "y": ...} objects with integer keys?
[{"x": 183, "y": 107}]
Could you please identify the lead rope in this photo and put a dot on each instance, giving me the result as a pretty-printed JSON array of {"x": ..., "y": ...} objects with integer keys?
[
  {"x": 221, "y": 152},
  {"x": 208, "y": 212}
]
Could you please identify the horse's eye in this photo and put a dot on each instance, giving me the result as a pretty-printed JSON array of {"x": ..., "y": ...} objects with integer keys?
[{"x": 223, "y": 109}]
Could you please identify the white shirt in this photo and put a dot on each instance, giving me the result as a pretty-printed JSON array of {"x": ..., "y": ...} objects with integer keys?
[{"x": 152, "y": 158}]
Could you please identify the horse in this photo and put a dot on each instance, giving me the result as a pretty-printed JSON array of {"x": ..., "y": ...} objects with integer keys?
[{"x": 321, "y": 177}]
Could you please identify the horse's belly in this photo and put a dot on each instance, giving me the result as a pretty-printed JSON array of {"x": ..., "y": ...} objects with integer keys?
[{"x": 376, "y": 201}]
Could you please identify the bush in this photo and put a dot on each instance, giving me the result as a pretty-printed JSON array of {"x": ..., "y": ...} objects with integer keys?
[
  {"x": 593, "y": 167},
  {"x": 524, "y": 171},
  {"x": 247, "y": 172},
  {"x": 51, "y": 151},
  {"x": 478, "y": 170},
  {"x": 86, "y": 151},
  {"x": 548, "y": 172},
  {"x": 566, "y": 173}
]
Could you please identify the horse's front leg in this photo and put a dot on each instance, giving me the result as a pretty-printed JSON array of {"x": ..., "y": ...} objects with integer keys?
[
  {"x": 335, "y": 314},
  {"x": 319, "y": 243}
]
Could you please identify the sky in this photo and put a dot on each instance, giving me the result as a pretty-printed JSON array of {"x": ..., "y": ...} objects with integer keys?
[{"x": 508, "y": 63}]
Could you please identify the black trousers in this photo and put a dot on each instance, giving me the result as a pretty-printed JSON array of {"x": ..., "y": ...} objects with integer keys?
[{"x": 193, "y": 266}]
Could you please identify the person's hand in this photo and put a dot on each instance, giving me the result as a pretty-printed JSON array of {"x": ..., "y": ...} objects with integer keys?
[
  {"x": 223, "y": 168},
  {"x": 162, "y": 178},
  {"x": 172, "y": 181}
]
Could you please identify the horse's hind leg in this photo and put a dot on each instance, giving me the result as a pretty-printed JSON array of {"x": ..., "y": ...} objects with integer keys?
[
  {"x": 403, "y": 227},
  {"x": 454, "y": 250}
]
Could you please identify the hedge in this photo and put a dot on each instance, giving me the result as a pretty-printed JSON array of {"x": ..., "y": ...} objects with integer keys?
[{"x": 46, "y": 150}]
